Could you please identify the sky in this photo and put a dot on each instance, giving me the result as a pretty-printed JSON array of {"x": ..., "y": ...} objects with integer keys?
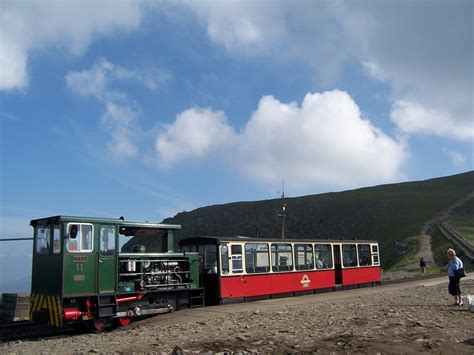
[{"x": 145, "y": 109}]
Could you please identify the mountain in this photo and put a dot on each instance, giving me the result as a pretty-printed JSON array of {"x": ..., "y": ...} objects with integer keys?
[{"x": 386, "y": 213}]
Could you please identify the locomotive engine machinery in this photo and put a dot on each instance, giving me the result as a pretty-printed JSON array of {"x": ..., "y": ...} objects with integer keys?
[{"x": 154, "y": 273}]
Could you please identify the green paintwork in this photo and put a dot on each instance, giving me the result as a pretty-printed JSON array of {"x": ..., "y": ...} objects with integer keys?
[
  {"x": 79, "y": 276},
  {"x": 194, "y": 268},
  {"x": 46, "y": 275},
  {"x": 84, "y": 273}
]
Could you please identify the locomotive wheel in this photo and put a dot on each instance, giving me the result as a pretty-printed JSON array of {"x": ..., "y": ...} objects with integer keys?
[
  {"x": 124, "y": 321},
  {"x": 97, "y": 325}
]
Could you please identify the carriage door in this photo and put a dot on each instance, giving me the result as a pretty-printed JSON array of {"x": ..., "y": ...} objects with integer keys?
[
  {"x": 107, "y": 259},
  {"x": 210, "y": 277},
  {"x": 337, "y": 264}
]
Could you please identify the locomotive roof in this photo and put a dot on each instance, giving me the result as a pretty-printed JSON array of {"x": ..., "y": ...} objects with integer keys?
[
  {"x": 218, "y": 240},
  {"x": 117, "y": 221}
]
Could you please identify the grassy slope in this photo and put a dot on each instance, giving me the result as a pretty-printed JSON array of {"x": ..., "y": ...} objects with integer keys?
[
  {"x": 387, "y": 213},
  {"x": 465, "y": 226}
]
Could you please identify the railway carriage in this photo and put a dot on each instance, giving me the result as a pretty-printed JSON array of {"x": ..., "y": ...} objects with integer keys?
[
  {"x": 79, "y": 275},
  {"x": 241, "y": 269}
]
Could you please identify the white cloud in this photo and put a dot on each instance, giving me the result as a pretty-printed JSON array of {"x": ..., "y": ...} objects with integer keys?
[
  {"x": 411, "y": 117},
  {"x": 423, "y": 50},
  {"x": 121, "y": 114},
  {"x": 241, "y": 25},
  {"x": 28, "y": 26},
  {"x": 323, "y": 141},
  {"x": 457, "y": 159},
  {"x": 194, "y": 134}
]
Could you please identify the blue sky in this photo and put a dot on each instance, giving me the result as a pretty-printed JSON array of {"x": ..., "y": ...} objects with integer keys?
[{"x": 148, "y": 108}]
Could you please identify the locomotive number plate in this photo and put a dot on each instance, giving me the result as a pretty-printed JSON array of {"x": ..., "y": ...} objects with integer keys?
[{"x": 79, "y": 259}]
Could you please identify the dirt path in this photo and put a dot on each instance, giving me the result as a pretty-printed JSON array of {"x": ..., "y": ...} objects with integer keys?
[{"x": 425, "y": 250}]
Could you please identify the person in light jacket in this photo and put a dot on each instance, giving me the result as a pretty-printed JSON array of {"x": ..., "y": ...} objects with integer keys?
[{"x": 454, "y": 289}]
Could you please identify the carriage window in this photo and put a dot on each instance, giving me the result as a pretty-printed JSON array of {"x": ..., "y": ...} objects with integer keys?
[
  {"x": 349, "y": 255},
  {"x": 375, "y": 254},
  {"x": 236, "y": 251},
  {"x": 282, "y": 257},
  {"x": 209, "y": 257},
  {"x": 56, "y": 240},
  {"x": 43, "y": 239},
  {"x": 79, "y": 237},
  {"x": 107, "y": 240},
  {"x": 304, "y": 256},
  {"x": 256, "y": 258},
  {"x": 224, "y": 259},
  {"x": 323, "y": 254},
  {"x": 364, "y": 254}
]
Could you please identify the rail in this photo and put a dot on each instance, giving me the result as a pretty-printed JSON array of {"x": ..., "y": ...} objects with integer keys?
[{"x": 455, "y": 237}]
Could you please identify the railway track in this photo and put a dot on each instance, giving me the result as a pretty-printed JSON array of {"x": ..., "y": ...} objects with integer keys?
[
  {"x": 455, "y": 237},
  {"x": 26, "y": 330}
]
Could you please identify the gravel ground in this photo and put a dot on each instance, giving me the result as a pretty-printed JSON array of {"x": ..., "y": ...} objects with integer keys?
[{"x": 375, "y": 320}]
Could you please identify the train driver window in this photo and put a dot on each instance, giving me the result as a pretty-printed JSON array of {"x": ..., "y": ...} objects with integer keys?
[
  {"x": 349, "y": 255},
  {"x": 304, "y": 257},
  {"x": 42, "y": 239},
  {"x": 56, "y": 239},
  {"x": 364, "y": 254},
  {"x": 256, "y": 258},
  {"x": 323, "y": 255},
  {"x": 282, "y": 257},
  {"x": 236, "y": 251},
  {"x": 79, "y": 237},
  {"x": 107, "y": 240},
  {"x": 224, "y": 259}
]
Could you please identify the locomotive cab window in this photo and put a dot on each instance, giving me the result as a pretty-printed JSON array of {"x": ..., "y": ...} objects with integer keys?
[
  {"x": 349, "y": 255},
  {"x": 364, "y": 255},
  {"x": 79, "y": 237},
  {"x": 48, "y": 239},
  {"x": 42, "y": 239},
  {"x": 56, "y": 239},
  {"x": 107, "y": 240},
  {"x": 282, "y": 257}
]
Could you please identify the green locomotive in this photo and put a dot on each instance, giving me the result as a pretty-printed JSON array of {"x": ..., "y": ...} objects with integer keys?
[{"x": 79, "y": 275}]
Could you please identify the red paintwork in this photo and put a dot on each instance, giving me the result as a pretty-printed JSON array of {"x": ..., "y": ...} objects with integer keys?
[
  {"x": 99, "y": 324},
  {"x": 266, "y": 284},
  {"x": 124, "y": 321},
  {"x": 360, "y": 275},
  {"x": 71, "y": 314},
  {"x": 131, "y": 298}
]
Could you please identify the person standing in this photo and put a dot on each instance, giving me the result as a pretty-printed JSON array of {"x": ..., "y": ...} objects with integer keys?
[
  {"x": 454, "y": 288},
  {"x": 422, "y": 265}
]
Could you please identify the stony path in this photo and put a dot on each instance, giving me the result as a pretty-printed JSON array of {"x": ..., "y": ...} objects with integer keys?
[{"x": 401, "y": 318}]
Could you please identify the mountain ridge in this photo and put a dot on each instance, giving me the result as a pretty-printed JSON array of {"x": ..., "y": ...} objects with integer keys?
[{"x": 388, "y": 213}]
